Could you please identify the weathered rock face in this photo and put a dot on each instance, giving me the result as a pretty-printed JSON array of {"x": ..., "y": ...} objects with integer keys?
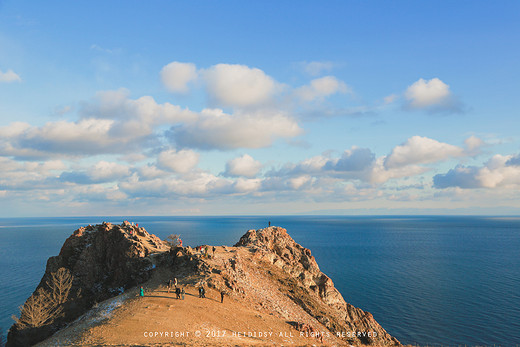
[
  {"x": 104, "y": 260},
  {"x": 312, "y": 289}
]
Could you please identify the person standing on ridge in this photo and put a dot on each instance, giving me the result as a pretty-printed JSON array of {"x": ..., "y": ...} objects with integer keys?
[
  {"x": 269, "y": 223},
  {"x": 141, "y": 291},
  {"x": 222, "y": 296}
]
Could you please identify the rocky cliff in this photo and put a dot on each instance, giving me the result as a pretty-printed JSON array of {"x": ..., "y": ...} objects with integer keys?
[
  {"x": 311, "y": 289},
  {"x": 103, "y": 260},
  {"x": 271, "y": 284}
]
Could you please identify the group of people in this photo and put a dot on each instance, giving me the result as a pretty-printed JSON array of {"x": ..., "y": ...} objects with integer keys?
[
  {"x": 205, "y": 250},
  {"x": 179, "y": 292}
]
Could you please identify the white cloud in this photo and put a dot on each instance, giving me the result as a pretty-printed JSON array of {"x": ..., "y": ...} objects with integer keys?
[
  {"x": 86, "y": 136},
  {"x": 108, "y": 171},
  {"x": 355, "y": 159},
  {"x": 111, "y": 123},
  {"x": 432, "y": 95},
  {"x": 242, "y": 166},
  {"x": 495, "y": 173},
  {"x": 151, "y": 171},
  {"x": 320, "y": 88},
  {"x": 9, "y": 76},
  {"x": 243, "y": 185},
  {"x": 139, "y": 115},
  {"x": 178, "y": 161},
  {"x": 381, "y": 173},
  {"x": 421, "y": 150},
  {"x": 315, "y": 68},
  {"x": 300, "y": 181},
  {"x": 215, "y": 129},
  {"x": 473, "y": 145},
  {"x": 238, "y": 85},
  {"x": 176, "y": 76},
  {"x": 199, "y": 184}
]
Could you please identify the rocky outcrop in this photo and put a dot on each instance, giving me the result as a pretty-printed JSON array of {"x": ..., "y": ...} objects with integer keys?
[
  {"x": 104, "y": 260},
  {"x": 266, "y": 271},
  {"x": 311, "y": 289}
]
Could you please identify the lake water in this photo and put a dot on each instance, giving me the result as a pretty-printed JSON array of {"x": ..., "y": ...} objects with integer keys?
[{"x": 427, "y": 280}]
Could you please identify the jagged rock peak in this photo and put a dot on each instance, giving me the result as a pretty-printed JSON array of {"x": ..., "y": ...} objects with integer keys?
[
  {"x": 103, "y": 260},
  {"x": 271, "y": 238}
]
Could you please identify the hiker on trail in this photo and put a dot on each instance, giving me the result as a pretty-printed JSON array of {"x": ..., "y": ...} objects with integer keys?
[
  {"x": 180, "y": 242},
  {"x": 141, "y": 291},
  {"x": 222, "y": 296},
  {"x": 269, "y": 223},
  {"x": 182, "y": 293},
  {"x": 178, "y": 292},
  {"x": 175, "y": 281},
  {"x": 202, "y": 292},
  {"x": 214, "y": 249},
  {"x": 206, "y": 251}
]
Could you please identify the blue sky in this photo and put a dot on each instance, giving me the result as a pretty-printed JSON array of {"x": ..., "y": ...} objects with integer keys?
[{"x": 176, "y": 108}]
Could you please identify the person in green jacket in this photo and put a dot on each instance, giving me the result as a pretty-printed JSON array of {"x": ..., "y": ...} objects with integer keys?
[{"x": 141, "y": 291}]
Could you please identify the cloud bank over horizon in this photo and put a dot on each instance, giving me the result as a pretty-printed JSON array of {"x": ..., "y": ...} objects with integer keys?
[{"x": 118, "y": 148}]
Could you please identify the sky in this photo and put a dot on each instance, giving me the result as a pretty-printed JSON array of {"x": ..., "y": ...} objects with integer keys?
[{"x": 259, "y": 108}]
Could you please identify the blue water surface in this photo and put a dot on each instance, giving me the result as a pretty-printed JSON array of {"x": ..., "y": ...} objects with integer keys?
[{"x": 433, "y": 280}]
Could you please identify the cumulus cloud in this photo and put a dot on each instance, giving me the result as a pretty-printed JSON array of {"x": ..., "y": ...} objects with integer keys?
[
  {"x": 139, "y": 115},
  {"x": 355, "y": 159},
  {"x": 238, "y": 85},
  {"x": 215, "y": 129},
  {"x": 178, "y": 161},
  {"x": 460, "y": 176},
  {"x": 176, "y": 76},
  {"x": 9, "y": 76},
  {"x": 244, "y": 166},
  {"x": 320, "y": 88},
  {"x": 361, "y": 164},
  {"x": 111, "y": 123},
  {"x": 431, "y": 95},
  {"x": 496, "y": 172},
  {"x": 380, "y": 173},
  {"x": 245, "y": 185},
  {"x": 421, "y": 150}
]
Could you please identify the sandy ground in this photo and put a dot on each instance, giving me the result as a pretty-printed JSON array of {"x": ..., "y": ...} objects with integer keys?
[{"x": 159, "y": 319}]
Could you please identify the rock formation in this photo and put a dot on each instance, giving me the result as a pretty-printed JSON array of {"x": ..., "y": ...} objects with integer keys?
[
  {"x": 266, "y": 271},
  {"x": 312, "y": 289},
  {"x": 104, "y": 260}
]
